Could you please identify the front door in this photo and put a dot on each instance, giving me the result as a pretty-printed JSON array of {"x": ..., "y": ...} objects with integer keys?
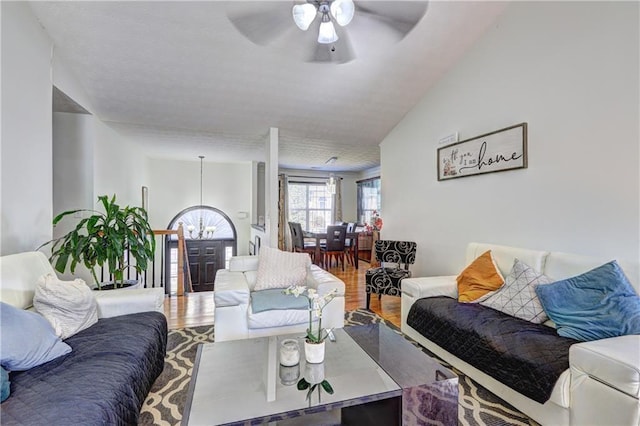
[
  {"x": 210, "y": 241},
  {"x": 205, "y": 258}
]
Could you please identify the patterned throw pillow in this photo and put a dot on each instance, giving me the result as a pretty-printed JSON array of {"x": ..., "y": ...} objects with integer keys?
[
  {"x": 281, "y": 269},
  {"x": 518, "y": 296},
  {"x": 478, "y": 279}
]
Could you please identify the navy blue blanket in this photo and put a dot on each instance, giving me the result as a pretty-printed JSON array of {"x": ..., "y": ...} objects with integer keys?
[
  {"x": 527, "y": 357},
  {"x": 103, "y": 381}
]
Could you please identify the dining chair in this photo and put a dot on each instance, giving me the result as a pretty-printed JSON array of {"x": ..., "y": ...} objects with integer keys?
[
  {"x": 395, "y": 258},
  {"x": 298, "y": 242},
  {"x": 334, "y": 247},
  {"x": 350, "y": 245}
]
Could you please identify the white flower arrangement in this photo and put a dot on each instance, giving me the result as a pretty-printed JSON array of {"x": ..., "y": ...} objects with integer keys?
[{"x": 316, "y": 305}]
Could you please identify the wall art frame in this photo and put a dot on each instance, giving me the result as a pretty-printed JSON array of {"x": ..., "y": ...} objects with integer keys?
[{"x": 499, "y": 151}]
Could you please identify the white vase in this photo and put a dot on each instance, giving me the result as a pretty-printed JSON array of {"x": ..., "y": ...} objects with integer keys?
[
  {"x": 314, "y": 373},
  {"x": 314, "y": 352}
]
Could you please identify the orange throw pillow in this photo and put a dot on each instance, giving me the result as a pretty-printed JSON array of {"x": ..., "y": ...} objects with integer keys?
[{"x": 479, "y": 278}]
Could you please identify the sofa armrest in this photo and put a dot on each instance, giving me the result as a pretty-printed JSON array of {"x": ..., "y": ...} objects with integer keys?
[
  {"x": 231, "y": 288},
  {"x": 417, "y": 288},
  {"x": 117, "y": 302},
  {"x": 324, "y": 281},
  {"x": 243, "y": 263},
  {"x": 614, "y": 362}
]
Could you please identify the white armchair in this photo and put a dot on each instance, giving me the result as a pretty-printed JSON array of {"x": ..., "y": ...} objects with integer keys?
[{"x": 234, "y": 318}]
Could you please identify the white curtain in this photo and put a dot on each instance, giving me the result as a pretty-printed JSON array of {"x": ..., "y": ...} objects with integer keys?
[{"x": 336, "y": 210}]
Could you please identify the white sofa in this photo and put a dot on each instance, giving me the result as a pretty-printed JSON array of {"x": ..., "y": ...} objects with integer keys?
[
  {"x": 232, "y": 299},
  {"x": 19, "y": 274},
  {"x": 111, "y": 367},
  {"x": 602, "y": 385}
]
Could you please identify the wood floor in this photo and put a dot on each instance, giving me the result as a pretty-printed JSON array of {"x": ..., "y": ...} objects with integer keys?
[{"x": 195, "y": 309}]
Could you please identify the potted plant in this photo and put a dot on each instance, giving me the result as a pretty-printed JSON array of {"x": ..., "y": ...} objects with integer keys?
[
  {"x": 104, "y": 239},
  {"x": 314, "y": 341}
]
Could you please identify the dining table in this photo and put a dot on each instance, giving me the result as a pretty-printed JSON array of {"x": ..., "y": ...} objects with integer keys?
[{"x": 319, "y": 236}]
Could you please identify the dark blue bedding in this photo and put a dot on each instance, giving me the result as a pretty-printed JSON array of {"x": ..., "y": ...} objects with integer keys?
[
  {"x": 103, "y": 381},
  {"x": 527, "y": 357}
]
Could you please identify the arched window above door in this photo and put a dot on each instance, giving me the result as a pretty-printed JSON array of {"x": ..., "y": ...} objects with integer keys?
[{"x": 204, "y": 222}]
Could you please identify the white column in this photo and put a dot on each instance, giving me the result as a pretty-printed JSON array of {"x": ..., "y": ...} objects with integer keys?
[{"x": 271, "y": 193}]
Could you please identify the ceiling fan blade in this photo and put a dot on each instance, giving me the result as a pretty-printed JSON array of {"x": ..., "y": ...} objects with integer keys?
[
  {"x": 262, "y": 22},
  {"x": 400, "y": 16},
  {"x": 339, "y": 52}
]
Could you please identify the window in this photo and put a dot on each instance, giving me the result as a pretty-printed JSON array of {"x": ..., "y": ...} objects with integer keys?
[
  {"x": 368, "y": 199},
  {"x": 310, "y": 205}
]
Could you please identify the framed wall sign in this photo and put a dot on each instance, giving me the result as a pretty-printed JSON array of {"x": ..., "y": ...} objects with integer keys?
[{"x": 504, "y": 149}]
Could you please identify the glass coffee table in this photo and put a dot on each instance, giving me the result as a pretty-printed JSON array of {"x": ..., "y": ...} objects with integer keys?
[{"x": 378, "y": 377}]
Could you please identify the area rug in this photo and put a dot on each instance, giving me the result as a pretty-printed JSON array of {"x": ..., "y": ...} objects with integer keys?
[{"x": 165, "y": 403}]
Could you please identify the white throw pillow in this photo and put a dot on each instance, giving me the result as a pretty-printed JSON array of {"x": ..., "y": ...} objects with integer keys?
[
  {"x": 518, "y": 297},
  {"x": 281, "y": 269},
  {"x": 70, "y": 306}
]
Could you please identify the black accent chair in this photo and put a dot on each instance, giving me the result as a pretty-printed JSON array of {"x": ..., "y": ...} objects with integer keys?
[
  {"x": 386, "y": 279},
  {"x": 299, "y": 244}
]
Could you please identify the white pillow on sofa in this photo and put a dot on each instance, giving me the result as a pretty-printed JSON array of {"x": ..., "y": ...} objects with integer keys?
[
  {"x": 70, "y": 306},
  {"x": 281, "y": 269}
]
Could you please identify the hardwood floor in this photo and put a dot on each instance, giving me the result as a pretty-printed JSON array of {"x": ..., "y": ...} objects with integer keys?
[{"x": 195, "y": 309}]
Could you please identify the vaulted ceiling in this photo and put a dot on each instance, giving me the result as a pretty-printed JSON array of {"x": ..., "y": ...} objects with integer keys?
[{"x": 180, "y": 79}]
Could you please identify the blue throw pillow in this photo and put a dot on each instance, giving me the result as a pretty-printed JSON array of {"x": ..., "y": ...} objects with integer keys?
[
  {"x": 598, "y": 304},
  {"x": 27, "y": 339},
  {"x": 266, "y": 300},
  {"x": 4, "y": 384}
]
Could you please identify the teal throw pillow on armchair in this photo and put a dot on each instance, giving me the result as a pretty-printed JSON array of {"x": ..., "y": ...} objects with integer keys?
[
  {"x": 275, "y": 299},
  {"x": 598, "y": 304}
]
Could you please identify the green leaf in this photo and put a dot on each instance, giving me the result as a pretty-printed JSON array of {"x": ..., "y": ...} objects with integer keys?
[
  {"x": 61, "y": 262},
  {"x": 303, "y": 384},
  {"x": 59, "y": 217},
  {"x": 327, "y": 387}
]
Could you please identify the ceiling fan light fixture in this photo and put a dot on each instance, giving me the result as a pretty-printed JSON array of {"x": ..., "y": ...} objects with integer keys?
[
  {"x": 327, "y": 33},
  {"x": 303, "y": 15},
  {"x": 342, "y": 11}
]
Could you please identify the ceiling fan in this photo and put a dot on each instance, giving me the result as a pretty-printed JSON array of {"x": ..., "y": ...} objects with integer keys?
[{"x": 330, "y": 31}]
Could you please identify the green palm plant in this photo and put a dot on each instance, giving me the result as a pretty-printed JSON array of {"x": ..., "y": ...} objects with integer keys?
[{"x": 104, "y": 239}]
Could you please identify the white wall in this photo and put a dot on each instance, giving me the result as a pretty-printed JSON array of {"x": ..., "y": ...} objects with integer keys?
[
  {"x": 175, "y": 185},
  {"x": 571, "y": 71},
  {"x": 349, "y": 196},
  {"x": 369, "y": 173},
  {"x": 119, "y": 167},
  {"x": 73, "y": 143},
  {"x": 25, "y": 156},
  {"x": 27, "y": 128}
]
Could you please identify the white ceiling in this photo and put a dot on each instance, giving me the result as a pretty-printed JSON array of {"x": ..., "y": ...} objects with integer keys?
[{"x": 181, "y": 80}]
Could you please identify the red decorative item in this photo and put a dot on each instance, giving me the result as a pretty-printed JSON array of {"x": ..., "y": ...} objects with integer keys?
[{"x": 376, "y": 220}]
